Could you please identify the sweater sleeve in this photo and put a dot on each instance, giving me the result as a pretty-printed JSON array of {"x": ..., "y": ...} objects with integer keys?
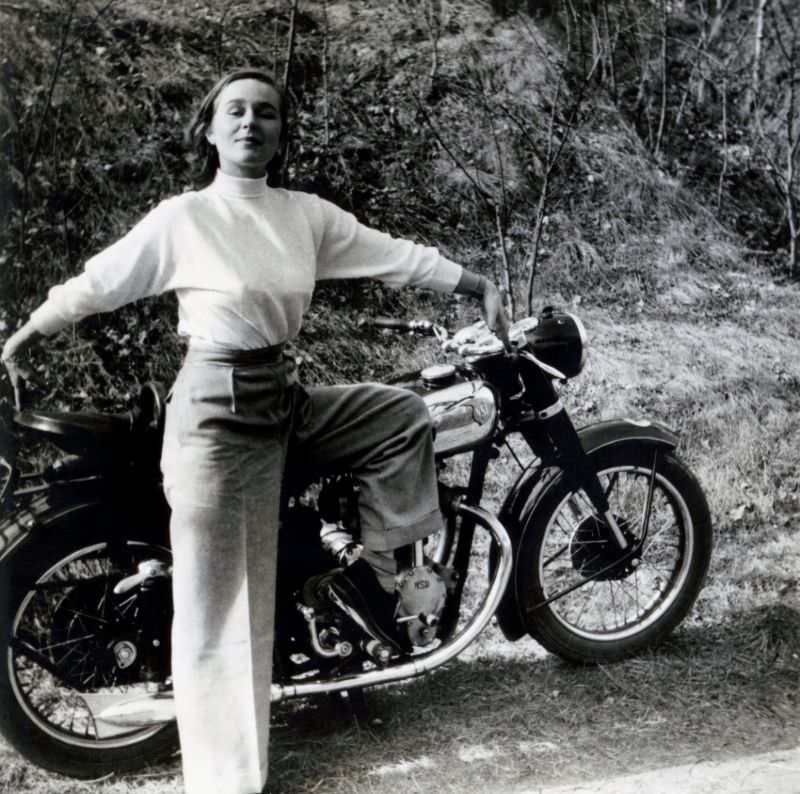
[
  {"x": 136, "y": 266},
  {"x": 348, "y": 249}
]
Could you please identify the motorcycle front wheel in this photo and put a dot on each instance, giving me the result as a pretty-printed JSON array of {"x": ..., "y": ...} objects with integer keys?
[
  {"x": 68, "y": 646},
  {"x": 582, "y": 597}
]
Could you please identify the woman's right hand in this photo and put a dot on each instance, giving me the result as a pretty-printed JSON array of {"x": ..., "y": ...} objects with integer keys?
[
  {"x": 18, "y": 343},
  {"x": 494, "y": 313},
  {"x": 15, "y": 346}
]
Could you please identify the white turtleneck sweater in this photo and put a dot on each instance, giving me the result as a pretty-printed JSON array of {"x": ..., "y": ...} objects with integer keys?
[{"x": 243, "y": 259}]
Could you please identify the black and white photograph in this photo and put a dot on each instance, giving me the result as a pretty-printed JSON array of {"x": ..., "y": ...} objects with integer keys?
[{"x": 399, "y": 396}]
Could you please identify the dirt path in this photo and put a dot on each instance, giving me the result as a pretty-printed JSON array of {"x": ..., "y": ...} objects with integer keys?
[{"x": 766, "y": 773}]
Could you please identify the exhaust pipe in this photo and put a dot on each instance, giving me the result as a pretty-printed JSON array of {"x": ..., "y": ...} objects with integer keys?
[
  {"x": 448, "y": 650},
  {"x": 117, "y": 714},
  {"x": 156, "y": 709}
]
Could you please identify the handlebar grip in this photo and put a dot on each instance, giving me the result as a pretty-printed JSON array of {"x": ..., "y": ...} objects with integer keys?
[{"x": 393, "y": 324}]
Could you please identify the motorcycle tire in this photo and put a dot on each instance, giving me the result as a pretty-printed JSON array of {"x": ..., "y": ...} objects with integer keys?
[
  {"x": 579, "y": 595},
  {"x": 63, "y": 634}
]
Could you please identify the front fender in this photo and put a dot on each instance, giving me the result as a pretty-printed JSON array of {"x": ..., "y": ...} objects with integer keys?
[
  {"x": 615, "y": 431},
  {"x": 533, "y": 483}
]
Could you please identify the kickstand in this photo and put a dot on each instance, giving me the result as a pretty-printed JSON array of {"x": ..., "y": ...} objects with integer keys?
[
  {"x": 358, "y": 704},
  {"x": 357, "y": 701}
]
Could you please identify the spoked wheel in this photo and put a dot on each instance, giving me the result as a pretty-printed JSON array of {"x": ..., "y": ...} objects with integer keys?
[
  {"x": 585, "y": 599},
  {"x": 69, "y": 648}
]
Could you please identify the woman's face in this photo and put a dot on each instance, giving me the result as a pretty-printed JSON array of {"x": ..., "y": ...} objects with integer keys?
[{"x": 246, "y": 127}]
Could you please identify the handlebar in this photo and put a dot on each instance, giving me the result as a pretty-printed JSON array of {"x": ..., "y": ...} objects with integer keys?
[
  {"x": 423, "y": 327},
  {"x": 474, "y": 340}
]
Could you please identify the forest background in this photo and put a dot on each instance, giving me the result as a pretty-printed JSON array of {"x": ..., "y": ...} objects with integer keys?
[{"x": 635, "y": 160}]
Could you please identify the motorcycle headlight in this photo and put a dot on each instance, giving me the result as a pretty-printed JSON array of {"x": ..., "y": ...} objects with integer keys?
[{"x": 559, "y": 342}]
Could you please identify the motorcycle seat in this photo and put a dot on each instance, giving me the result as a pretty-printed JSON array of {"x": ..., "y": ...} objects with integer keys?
[{"x": 79, "y": 433}]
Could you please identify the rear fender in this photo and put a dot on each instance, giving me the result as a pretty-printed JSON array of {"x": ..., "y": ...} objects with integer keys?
[
  {"x": 54, "y": 511},
  {"x": 527, "y": 492},
  {"x": 34, "y": 520}
]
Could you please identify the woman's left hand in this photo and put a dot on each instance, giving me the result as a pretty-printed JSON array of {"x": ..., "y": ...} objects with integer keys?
[{"x": 494, "y": 313}]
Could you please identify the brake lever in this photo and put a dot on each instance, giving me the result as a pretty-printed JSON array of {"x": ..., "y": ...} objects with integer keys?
[
  {"x": 440, "y": 333},
  {"x": 478, "y": 349}
]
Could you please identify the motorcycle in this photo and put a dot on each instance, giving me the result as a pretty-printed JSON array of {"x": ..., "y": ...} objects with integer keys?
[{"x": 599, "y": 550}]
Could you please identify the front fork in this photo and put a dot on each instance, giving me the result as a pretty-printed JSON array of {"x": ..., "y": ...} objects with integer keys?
[{"x": 571, "y": 457}]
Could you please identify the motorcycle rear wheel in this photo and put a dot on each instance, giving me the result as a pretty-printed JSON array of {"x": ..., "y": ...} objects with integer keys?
[
  {"x": 63, "y": 634},
  {"x": 582, "y": 598}
]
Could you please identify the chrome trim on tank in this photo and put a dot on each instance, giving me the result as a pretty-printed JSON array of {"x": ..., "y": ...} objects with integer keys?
[{"x": 463, "y": 416}]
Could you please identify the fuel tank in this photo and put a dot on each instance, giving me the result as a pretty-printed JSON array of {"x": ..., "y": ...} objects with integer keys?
[{"x": 463, "y": 416}]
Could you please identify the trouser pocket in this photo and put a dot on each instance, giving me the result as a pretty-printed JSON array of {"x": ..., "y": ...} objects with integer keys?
[{"x": 263, "y": 397}]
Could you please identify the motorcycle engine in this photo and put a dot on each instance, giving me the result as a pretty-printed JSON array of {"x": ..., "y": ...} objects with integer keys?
[{"x": 421, "y": 596}]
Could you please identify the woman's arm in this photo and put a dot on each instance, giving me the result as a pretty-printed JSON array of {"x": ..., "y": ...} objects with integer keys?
[
  {"x": 348, "y": 249},
  {"x": 135, "y": 266},
  {"x": 493, "y": 311},
  {"x": 131, "y": 268}
]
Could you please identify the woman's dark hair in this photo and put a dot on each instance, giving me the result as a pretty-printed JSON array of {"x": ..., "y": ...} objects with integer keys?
[{"x": 205, "y": 154}]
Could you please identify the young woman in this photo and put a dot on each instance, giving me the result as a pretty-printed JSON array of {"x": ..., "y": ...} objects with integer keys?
[{"x": 243, "y": 259}]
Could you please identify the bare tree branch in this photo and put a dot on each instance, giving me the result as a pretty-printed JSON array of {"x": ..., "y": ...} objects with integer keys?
[
  {"x": 434, "y": 24},
  {"x": 758, "y": 41},
  {"x": 218, "y": 56},
  {"x": 325, "y": 93},
  {"x": 287, "y": 69},
  {"x": 501, "y": 210},
  {"x": 533, "y": 258},
  {"x": 725, "y": 153},
  {"x": 662, "y": 117},
  {"x": 551, "y": 159},
  {"x": 62, "y": 47},
  {"x": 480, "y": 191},
  {"x": 782, "y": 156}
]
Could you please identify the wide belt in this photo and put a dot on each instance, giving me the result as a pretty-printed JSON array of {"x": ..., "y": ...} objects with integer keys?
[{"x": 207, "y": 352}]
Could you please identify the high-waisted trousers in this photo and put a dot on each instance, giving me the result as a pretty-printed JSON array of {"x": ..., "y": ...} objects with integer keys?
[{"x": 231, "y": 419}]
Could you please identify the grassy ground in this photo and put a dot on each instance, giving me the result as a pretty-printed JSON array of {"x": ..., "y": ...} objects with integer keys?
[{"x": 725, "y": 685}]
